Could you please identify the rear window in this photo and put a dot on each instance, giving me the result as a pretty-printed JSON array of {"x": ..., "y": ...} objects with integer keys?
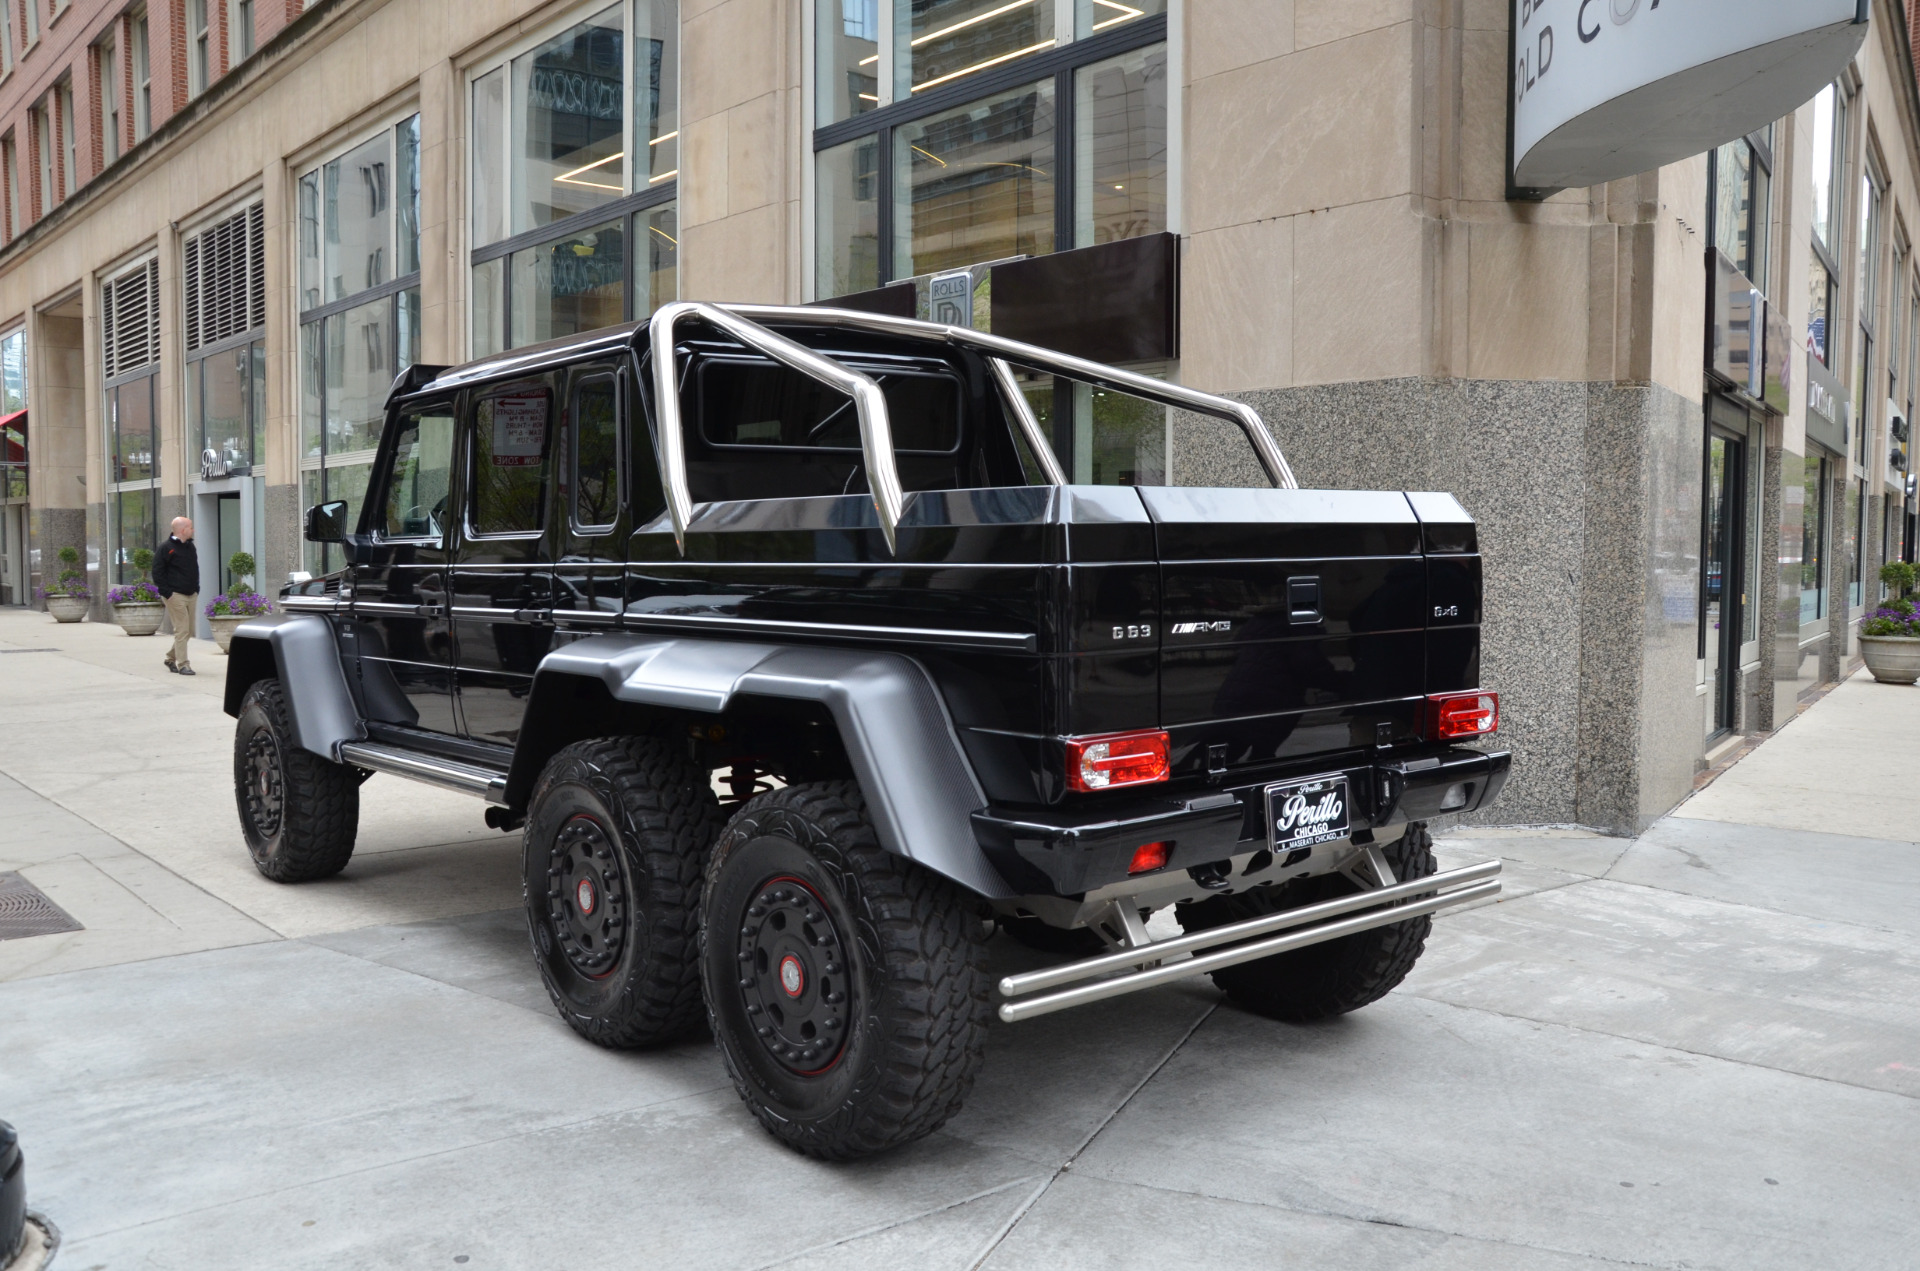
[{"x": 765, "y": 406}]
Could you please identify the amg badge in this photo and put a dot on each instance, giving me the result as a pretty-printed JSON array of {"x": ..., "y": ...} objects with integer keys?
[{"x": 1202, "y": 628}]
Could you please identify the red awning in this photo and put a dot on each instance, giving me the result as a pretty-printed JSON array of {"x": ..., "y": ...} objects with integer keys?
[{"x": 13, "y": 437}]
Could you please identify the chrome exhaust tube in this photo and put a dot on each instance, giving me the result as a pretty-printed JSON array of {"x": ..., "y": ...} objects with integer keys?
[{"x": 1322, "y": 922}]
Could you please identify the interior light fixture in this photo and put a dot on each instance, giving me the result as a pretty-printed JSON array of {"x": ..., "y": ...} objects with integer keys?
[
  {"x": 567, "y": 178},
  {"x": 662, "y": 233},
  {"x": 936, "y": 158},
  {"x": 964, "y": 23},
  {"x": 981, "y": 66},
  {"x": 664, "y": 176},
  {"x": 868, "y": 97},
  {"x": 1127, "y": 14},
  {"x": 868, "y": 61},
  {"x": 665, "y": 136}
]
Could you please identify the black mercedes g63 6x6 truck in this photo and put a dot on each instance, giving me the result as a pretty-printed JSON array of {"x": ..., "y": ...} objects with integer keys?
[{"x": 799, "y": 658}]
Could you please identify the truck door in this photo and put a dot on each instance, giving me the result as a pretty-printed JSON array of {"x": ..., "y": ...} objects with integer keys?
[
  {"x": 502, "y": 573},
  {"x": 401, "y": 629},
  {"x": 593, "y": 504}
]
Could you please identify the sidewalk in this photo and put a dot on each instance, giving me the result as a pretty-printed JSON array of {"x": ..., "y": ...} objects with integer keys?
[{"x": 1695, "y": 1049}]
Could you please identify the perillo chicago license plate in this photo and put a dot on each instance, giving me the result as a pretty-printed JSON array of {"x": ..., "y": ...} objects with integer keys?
[{"x": 1302, "y": 813}]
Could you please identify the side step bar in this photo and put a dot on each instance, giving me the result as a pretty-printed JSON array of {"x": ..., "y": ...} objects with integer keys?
[
  {"x": 448, "y": 774},
  {"x": 1380, "y": 907}
]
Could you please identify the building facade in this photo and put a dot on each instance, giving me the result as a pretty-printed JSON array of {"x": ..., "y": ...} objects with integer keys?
[{"x": 1678, "y": 403}]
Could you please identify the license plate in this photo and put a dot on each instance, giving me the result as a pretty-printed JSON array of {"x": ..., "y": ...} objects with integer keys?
[{"x": 1302, "y": 813}]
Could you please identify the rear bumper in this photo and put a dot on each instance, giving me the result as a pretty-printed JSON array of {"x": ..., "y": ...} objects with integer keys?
[{"x": 1068, "y": 853}]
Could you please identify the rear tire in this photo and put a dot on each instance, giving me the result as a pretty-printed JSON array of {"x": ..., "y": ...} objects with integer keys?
[
  {"x": 617, "y": 833},
  {"x": 846, "y": 986},
  {"x": 299, "y": 812},
  {"x": 1321, "y": 980}
]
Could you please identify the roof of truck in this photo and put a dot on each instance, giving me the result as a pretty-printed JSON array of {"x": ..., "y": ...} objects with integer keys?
[{"x": 535, "y": 357}]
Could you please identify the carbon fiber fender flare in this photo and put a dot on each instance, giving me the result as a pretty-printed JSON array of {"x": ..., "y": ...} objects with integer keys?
[
  {"x": 920, "y": 790},
  {"x": 301, "y": 650}
]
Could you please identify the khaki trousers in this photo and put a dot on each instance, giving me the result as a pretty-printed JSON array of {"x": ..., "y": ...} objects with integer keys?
[{"x": 180, "y": 608}]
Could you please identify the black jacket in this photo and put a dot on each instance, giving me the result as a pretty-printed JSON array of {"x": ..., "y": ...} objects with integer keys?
[{"x": 176, "y": 567}]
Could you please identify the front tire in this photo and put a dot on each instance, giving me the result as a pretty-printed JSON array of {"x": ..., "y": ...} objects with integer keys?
[
  {"x": 299, "y": 812},
  {"x": 1321, "y": 980},
  {"x": 617, "y": 832},
  {"x": 846, "y": 986}
]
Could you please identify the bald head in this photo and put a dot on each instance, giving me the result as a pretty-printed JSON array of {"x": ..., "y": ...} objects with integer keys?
[{"x": 183, "y": 529}]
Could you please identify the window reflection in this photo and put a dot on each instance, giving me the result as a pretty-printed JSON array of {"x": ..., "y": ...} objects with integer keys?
[
  {"x": 976, "y": 183},
  {"x": 569, "y": 121},
  {"x": 948, "y": 40}
]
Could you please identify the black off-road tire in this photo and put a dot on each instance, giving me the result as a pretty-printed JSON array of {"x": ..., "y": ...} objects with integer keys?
[
  {"x": 1321, "y": 980},
  {"x": 617, "y": 832},
  {"x": 298, "y": 812},
  {"x": 883, "y": 1021}
]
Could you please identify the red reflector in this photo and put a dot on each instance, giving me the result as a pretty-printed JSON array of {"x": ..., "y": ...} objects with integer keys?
[
  {"x": 1452, "y": 716},
  {"x": 1119, "y": 759},
  {"x": 1150, "y": 856}
]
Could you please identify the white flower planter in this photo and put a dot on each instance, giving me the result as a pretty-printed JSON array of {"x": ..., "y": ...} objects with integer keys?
[
  {"x": 68, "y": 608},
  {"x": 1892, "y": 659},
  {"x": 139, "y": 618},
  {"x": 223, "y": 629}
]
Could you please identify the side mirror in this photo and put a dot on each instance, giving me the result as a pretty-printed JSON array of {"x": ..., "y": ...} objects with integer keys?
[{"x": 327, "y": 522}]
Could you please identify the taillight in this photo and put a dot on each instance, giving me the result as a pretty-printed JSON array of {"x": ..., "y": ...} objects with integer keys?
[
  {"x": 1149, "y": 857},
  {"x": 1453, "y": 716},
  {"x": 1118, "y": 759}
]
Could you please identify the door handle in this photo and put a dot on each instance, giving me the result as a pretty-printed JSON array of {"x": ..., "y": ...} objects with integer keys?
[
  {"x": 1303, "y": 599},
  {"x": 429, "y": 611},
  {"x": 535, "y": 617}
]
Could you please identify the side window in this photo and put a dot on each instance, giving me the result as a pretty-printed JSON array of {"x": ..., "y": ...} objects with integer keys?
[
  {"x": 596, "y": 453},
  {"x": 416, "y": 504},
  {"x": 512, "y": 438}
]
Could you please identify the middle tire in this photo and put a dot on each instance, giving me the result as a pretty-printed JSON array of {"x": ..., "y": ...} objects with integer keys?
[
  {"x": 846, "y": 986},
  {"x": 617, "y": 833}
]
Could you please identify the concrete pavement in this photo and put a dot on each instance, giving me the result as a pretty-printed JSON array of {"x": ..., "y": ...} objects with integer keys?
[{"x": 1697, "y": 1049}]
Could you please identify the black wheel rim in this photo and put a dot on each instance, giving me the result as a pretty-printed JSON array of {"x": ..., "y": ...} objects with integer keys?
[
  {"x": 265, "y": 786},
  {"x": 587, "y": 897},
  {"x": 793, "y": 976}
]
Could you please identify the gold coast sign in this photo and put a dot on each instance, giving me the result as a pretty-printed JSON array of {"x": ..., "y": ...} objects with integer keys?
[{"x": 1606, "y": 88}]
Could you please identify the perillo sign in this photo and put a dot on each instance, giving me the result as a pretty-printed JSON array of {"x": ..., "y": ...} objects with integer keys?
[{"x": 1606, "y": 88}]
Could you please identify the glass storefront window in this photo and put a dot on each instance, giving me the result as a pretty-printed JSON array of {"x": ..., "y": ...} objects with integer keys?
[
  {"x": 663, "y": 254},
  {"x": 1819, "y": 308},
  {"x": 1120, "y": 147},
  {"x": 975, "y": 183},
  {"x": 131, "y": 408},
  {"x": 947, "y": 40},
  {"x": 136, "y": 520},
  {"x": 847, "y": 217},
  {"x": 1829, "y": 153},
  {"x": 359, "y": 351},
  {"x": 13, "y": 400},
  {"x": 226, "y": 398},
  {"x": 568, "y": 119},
  {"x": 847, "y": 75},
  {"x": 356, "y": 212},
  {"x": 13, "y": 373},
  {"x": 1856, "y": 540},
  {"x": 947, "y": 186},
  {"x": 572, "y": 285},
  {"x": 1813, "y": 517},
  {"x": 407, "y": 197},
  {"x": 560, "y": 128}
]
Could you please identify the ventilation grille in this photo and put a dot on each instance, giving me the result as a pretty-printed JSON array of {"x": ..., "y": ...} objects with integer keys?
[
  {"x": 26, "y": 911},
  {"x": 226, "y": 279},
  {"x": 130, "y": 311}
]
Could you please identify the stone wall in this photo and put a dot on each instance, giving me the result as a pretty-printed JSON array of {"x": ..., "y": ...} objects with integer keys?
[{"x": 1587, "y": 496}]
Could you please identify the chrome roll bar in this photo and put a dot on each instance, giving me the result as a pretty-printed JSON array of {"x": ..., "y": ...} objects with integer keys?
[
  {"x": 869, "y": 404},
  {"x": 1036, "y": 358},
  {"x": 745, "y": 324}
]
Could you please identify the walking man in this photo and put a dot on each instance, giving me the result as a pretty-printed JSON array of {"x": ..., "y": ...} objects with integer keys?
[{"x": 176, "y": 572}]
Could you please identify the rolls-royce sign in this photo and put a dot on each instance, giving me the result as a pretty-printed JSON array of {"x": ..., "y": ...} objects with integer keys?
[{"x": 1607, "y": 88}]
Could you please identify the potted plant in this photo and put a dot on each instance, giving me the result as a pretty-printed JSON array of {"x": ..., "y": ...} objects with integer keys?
[
  {"x": 137, "y": 607},
  {"x": 225, "y": 612},
  {"x": 1890, "y": 638},
  {"x": 68, "y": 597}
]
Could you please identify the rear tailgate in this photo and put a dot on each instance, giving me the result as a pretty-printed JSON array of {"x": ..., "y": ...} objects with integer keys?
[{"x": 1296, "y": 622}]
